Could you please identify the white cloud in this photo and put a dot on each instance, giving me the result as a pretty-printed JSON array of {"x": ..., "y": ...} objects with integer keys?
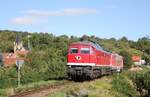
[
  {"x": 63, "y": 12},
  {"x": 36, "y": 16},
  {"x": 25, "y": 20}
]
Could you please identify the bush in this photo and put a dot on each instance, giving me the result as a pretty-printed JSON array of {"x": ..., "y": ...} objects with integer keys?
[
  {"x": 8, "y": 78},
  {"x": 126, "y": 58},
  {"x": 142, "y": 81},
  {"x": 43, "y": 65},
  {"x": 122, "y": 85}
]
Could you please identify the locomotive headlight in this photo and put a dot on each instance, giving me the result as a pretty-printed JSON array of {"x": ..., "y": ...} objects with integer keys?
[{"x": 69, "y": 66}]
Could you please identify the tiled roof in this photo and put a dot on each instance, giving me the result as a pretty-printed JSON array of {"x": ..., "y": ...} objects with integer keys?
[
  {"x": 136, "y": 58},
  {"x": 9, "y": 59}
]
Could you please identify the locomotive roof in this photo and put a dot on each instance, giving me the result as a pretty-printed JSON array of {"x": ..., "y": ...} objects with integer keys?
[{"x": 95, "y": 45}]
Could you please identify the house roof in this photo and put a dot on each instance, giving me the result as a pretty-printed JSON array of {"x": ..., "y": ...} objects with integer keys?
[{"x": 136, "y": 58}]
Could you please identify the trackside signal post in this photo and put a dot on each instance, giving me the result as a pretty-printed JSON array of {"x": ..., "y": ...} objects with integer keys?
[{"x": 19, "y": 64}]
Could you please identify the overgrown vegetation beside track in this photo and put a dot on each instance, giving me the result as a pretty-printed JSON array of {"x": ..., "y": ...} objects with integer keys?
[
  {"x": 125, "y": 84},
  {"x": 107, "y": 86},
  {"x": 141, "y": 80},
  {"x": 27, "y": 87}
]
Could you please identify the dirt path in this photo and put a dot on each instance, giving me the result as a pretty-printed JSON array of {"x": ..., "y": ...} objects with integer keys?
[
  {"x": 42, "y": 92},
  {"x": 45, "y": 92},
  {"x": 80, "y": 88}
]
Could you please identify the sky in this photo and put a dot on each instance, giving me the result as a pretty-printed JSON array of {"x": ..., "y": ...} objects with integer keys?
[{"x": 102, "y": 18}]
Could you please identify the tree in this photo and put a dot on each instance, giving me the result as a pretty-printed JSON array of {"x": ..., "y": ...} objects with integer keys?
[
  {"x": 85, "y": 38},
  {"x": 147, "y": 59},
  {"x": 143, "y": 44},
  {"x": 127, "y": 59},
  {"x": 124, "y": 39}
]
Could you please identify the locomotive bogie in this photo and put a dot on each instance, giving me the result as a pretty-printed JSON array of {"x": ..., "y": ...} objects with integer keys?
[{"x": 88, "y": 72}]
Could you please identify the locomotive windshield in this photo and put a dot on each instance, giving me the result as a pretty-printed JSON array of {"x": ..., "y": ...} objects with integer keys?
[
  {"x": 74, "y": 50},
  {"x": 85, "y": 50}
]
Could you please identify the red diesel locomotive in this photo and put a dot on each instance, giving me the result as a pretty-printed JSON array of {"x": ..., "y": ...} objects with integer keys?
[{"x": 89, "y": 60}]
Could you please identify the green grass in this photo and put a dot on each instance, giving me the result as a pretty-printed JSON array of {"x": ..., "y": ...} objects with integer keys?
[
  {"x": 98, "y": 88},
  {"x": 58, "y": 94},
  {"x": 6, "y": 92},
  {"x": 30, "y": 86},
  {"x": 116, "y": 85},
  {"x": 35, "y": 85}
]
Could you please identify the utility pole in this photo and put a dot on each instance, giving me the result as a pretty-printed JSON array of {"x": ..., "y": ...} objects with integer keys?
[
  {"x": 19, "y": 76},
  {"x": 29, "y": 42},
  {"x": 143, "y": 54},
  {"x": 19, "y": 63}
]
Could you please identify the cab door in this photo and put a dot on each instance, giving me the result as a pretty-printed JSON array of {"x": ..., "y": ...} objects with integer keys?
[{"x": 73, "y": 52}]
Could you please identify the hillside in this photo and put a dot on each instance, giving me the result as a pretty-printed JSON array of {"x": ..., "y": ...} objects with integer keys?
[
  {"x": 41, "y": 41},
  {"x": 47, "y": 59}
]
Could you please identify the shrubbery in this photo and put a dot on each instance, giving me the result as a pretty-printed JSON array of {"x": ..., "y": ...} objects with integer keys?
[
  {"x": 142, "y": 81},
  {"x": 47, "y": 60},
  {"x": 8, "y": 78},
  {"x": 43, "y": 66},
  {"x": 126, "y": 58},
  {"x": 122, "y": 85}
]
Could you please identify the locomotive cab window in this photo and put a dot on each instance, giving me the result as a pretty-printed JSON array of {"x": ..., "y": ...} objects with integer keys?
[
  {"x": 74, "y": 50},
  {"x": 85, "y": 50}
]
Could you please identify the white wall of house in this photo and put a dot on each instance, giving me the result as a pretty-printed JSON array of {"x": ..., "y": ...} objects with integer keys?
[{"x": 141, "y": 62}]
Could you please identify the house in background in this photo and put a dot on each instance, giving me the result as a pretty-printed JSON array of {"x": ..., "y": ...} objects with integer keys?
[
  {"x": 137, "y": 60},
  {"x": 10, "y": 59}
]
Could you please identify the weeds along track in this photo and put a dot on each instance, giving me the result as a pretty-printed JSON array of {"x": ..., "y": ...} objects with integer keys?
[
  {"x": 43, "y": 91},
  {"x": 46, "y": 90}
]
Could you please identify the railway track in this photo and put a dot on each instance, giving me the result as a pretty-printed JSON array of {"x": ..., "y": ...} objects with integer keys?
[
  {"x": 46, "y": 90},
  {"x": 43, "y": 91}
]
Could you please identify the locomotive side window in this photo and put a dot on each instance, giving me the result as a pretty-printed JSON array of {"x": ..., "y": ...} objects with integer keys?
[
  {"x": 85, "y": 50},
  {"x": 74, "y": 50}
]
